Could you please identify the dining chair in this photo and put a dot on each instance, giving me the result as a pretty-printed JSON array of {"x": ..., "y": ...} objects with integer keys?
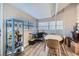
[{"x": 54, "y": 47}]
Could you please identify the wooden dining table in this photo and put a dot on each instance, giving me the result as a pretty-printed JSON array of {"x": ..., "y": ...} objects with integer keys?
[{"x": 53, "y": 37}]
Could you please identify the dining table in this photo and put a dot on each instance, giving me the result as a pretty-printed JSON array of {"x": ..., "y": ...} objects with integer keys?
[{"x": 53, "y": 37}]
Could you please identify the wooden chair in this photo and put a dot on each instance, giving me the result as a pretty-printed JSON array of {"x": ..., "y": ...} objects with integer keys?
[{"x": 54, "y": 47}]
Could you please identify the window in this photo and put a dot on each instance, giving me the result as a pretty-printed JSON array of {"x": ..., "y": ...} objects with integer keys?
[
  {"x": 59, "y": 25},
  {"x": 43, "y": 26},
  {"x": 25, "y": 24},
  {"x": 52, "y": 25}
]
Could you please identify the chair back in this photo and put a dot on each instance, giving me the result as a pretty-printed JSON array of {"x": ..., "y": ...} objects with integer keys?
[{"x": 53, "y": 44}]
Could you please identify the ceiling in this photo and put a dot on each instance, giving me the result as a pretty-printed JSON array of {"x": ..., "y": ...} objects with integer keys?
[{"x": 37, "y": 10}]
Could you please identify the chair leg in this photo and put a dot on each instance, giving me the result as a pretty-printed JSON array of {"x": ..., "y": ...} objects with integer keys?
[
  {"x": 55, "y": 52},
  {"x": 59, "y": 51},
  {"x": 64, "y": 50}
]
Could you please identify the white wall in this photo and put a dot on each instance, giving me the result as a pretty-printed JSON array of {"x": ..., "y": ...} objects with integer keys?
[
  {"x": 60, "y": 6},
  {"x": 0, "y": 27},
  {"x": 69, "y": 16},
  {"x": 78, "y": 13}
]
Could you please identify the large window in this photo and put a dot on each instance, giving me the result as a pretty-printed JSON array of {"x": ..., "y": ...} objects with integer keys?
[
  {"x": 59, "y": 25},
  {"x": 25, "y": 24},
  {"x": 51, "y": 26},
  {"x": 43, "y": 26},
  {"x": 28, "y": 25}
]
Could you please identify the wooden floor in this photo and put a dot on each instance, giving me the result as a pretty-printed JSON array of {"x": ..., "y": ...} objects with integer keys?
[{"x": 39, "y": 49}]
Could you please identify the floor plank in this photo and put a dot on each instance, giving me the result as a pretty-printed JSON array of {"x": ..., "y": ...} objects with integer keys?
[{"x": 39, "y": 49}]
